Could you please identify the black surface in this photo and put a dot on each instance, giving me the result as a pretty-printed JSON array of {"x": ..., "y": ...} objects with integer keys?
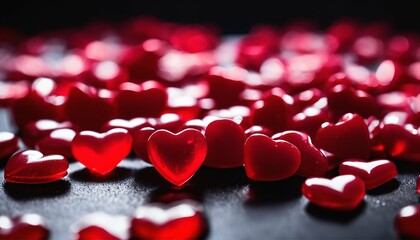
[{"x": 236, "y": 207}]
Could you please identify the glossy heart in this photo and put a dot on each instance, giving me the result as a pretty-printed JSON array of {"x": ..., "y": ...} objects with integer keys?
[
  {"x": 177, "y": 156},
  {"x": 407, "y": 222},
  {"x": 313, "y": 161},
  {"x": 344, "y": 99},
  {"x": 225, "y": 140},
  {"x": 27, "y": 226},
  {"x": 57, "y": 142},
  {"x": 8, "y": 144},
  {"x": 396, "y": 141},
  {"x": 269, "y": 160},
  {"x": 273, "y": 111},
  {"x": 145, "y": 100},
  {"x": 177, "y": 220},
  {"x": 34, "y": 131},
  {"x": 344, "y": 192},
  {"x": 140, "y": 139},
  {"x": 32, "y": 167},
  {"x": 101, "y": 152},
  {"x": 374, "y": 173},
  {"x": 349, "y": 138},
  {"x": 88, "y": 108},
  {"x": 99, "y": 225}
]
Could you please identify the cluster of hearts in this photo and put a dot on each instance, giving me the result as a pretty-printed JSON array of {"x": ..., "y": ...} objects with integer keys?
[{"x": 278, "y": 102}]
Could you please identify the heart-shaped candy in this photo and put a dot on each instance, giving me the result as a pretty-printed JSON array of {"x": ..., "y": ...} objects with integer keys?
[
  {"x": 407, "y": 222},
  {"x": 268, "y": 160},
  {"x": 101, "y": 152},
  {"x": 32, "y": 167},
  {"x": 99, "y": 225},
  {"x": 313, "y": 161},
  {"x": 349, "y": 138},
  {"x": 177, "y": 156},
  {"x": 27, "y": 226},
  {"x": 374, "y": 173},
  {"x": 225, "y": 140},
  {"x": 178, "y": 220},
  {"x": 57, "y": 142},
  {"x": 344, "y": 192}
]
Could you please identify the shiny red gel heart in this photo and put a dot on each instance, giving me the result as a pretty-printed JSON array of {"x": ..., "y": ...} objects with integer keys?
[
  {"x": 8, "y": 144},
  {"x": 34, "y": 131},
  {"x": 98, "y": 226},
  {"x": 374, "y": 173},
  {"x": 132, "y": 125},
  {"x": 177, "y": 157},
  {"x": 349, "y": 138},
  {"x": 344, "y": 192},
  {"x": 140, "y": 138},
  {"x": 396, "y": 141},
  {"x": 88, "y": 108},
  {"x": 146, "y": 100},
  {"x": 57, "y": 142},
  {"x": 32, "y": 167},
  {"x": 101, "y": 152},
  {"x": 407, "y": 222},
  {"x": 313, "y": 161},
  {"x": 225, "y": 140},
  {"x": 178, "y": 220},
  {"x": 269, "y": 160},
  {"x": 27, "y": 226}
]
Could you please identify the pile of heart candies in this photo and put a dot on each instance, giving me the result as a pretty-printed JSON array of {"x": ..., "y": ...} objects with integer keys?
[{"x": 337, "y": 107}]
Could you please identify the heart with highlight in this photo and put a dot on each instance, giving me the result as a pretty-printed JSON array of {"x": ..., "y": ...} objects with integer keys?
[
  {"x": 177, "y": 157},
  {"x": 101, "y": 152}
]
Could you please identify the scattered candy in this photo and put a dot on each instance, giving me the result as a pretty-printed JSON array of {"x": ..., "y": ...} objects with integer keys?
[
  {"x": 101, "y": 152},
  {"x": 343, "y": 193},
  {"x": 177, "y": 156},
  {"x": 407, "y": 222},
  {"x": 27, "y": 226},
  {"x": 374, "y": 173},
  {"x": 32, "y": 167},
  {"x": 99, "y": 225},
  {"x": 177, "y": 220},
  {"x": 270, "y": 160}
]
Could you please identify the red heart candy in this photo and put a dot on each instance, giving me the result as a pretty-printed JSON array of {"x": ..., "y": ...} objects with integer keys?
[
  {"x": 100, "y": 225},
  {"x": 177, "y": 156},
  {"x": 57, "y": 142},
  {"x": 344, "y": 192},
  {"x": 145, "y": 100},
  {"x": 407, "y": 222},
  {"x": 268, "y": 160},
  {"x": 343, "y": 99},
  {"x": 309, "y": 120},
  {"x": 225, "y": 140},
  {"x": 8, "y": 144},
  {"x": 177, "y": 220},
  {"x": 32, "y": 167},
  {"x": 101, "y": 152},
  {"x": 349, "y": 138},
  {"x": 374, "y": 173},
  {"x": 27, "y": 226},
  {"x": 273, "y": 111},
  {"x": 140, "y": 138},
  {"x": 313, "y": 161},
  {"x": 34, "y": 131},
  {"x": 88, "y": 108},
  {"x": 399, "y": 142}
]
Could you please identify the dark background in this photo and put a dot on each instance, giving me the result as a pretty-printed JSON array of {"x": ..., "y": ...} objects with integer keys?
[{"x": 31, "y": 17}]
